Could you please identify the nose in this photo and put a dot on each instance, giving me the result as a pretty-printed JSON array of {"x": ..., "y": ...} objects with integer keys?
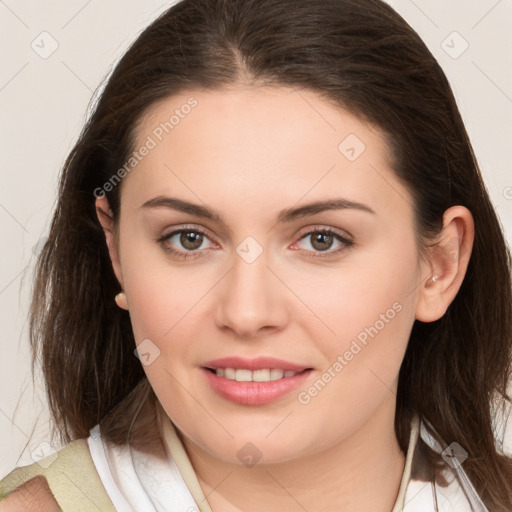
[{"x": 252, "y": 301}]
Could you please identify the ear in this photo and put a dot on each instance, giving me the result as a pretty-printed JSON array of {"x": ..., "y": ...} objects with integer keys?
[
  {"x": 448, "y": 261},
  {"x": 106, "y": 220}
]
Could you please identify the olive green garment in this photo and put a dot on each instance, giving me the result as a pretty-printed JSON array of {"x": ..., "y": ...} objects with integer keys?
[{"x": 71, "y": 476}]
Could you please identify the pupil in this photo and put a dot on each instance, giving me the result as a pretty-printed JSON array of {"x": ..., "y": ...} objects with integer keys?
[
  {"x": 322, "y": 238},
  {"x": 190, "y": 240}
]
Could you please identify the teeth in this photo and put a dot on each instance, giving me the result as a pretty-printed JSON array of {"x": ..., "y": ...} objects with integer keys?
[
  {"x": 276, "y": 374},
  {"x": 261, "y": 375},
  {"x": 243, "y": 375},
  {"x": 229, "y": 373}
]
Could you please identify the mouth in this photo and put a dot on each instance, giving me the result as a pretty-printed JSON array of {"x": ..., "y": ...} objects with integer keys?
[{"x": 254, "y": 381}]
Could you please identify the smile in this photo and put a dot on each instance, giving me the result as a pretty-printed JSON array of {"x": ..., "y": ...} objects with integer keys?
[{"x": 263, "y": 375}]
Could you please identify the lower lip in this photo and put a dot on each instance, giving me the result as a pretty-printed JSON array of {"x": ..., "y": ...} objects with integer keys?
[{"x": 254, "y": 393}]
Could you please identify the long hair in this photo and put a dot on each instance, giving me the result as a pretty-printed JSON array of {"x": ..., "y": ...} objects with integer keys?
[{"x": 361, "y": 56}]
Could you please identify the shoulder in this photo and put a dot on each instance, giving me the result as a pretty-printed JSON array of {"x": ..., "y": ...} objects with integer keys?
[
  {"x": 66, "y": 479},
  {"x": 33, "y": 495}
]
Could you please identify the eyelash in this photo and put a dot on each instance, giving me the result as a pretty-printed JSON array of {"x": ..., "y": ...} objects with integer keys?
[{"x": 347, "y": 244}]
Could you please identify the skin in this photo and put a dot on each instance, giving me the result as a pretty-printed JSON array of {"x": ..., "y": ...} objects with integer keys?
[
  {"x": 33, "y": 495},
  {"x": 249, "y": 153}
]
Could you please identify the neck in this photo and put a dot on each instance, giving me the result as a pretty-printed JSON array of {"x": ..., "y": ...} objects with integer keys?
[{"x": 337, "y": 479}]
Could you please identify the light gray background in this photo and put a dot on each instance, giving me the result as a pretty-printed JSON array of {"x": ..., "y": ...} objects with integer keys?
[{"x": 43, "y": 104}]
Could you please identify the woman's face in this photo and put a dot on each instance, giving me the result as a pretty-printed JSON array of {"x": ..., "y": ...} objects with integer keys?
[{"x": 229, "y": 183}]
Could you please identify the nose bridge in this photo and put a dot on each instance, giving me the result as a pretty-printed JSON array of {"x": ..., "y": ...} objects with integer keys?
[{"x": 251, "y": 297}]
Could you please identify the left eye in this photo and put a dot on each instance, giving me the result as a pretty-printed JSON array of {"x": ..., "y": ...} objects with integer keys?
[
  {"x": 189, "y": 239},
  {"x": 323, "y": 240}
]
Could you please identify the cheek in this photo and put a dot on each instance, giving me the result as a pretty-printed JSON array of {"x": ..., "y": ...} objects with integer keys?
[
  {"x": 160, "y": 293},
  {"x": 362, "y": 361},
  {"x": 371, "y": 295}
]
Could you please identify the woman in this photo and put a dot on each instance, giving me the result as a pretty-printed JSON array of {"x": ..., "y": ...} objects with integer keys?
[{"x": 342, "y": 344}]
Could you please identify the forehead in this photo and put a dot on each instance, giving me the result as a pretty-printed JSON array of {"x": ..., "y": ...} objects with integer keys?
[
  {"x": 244, "y": 142},
  {"x": 250, "y": 115}
]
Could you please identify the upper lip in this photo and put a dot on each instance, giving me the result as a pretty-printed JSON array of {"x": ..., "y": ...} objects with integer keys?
[{"x": 258, "y": 363}]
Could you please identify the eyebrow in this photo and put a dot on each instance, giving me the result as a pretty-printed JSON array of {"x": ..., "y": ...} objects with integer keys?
[{"x": 285, "y": 216}]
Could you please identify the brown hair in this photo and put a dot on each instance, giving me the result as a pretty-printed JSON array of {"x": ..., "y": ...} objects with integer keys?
[{"x": 361, "y": 55}]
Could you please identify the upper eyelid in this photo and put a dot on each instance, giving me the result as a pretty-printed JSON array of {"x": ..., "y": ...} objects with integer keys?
[
  {"x": 322, "y": 227},
  {"x": 197, "y": 229}
]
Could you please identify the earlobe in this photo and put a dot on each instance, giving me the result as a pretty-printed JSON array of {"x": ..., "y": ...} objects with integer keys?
[
  {"x": 448, "y": 262},
  {"x": 121, "y": 300},
  {"x": 105, "y": 218}
]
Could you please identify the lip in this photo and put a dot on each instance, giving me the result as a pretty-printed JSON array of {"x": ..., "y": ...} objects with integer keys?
[
  {"x": 259, "y": 363},
  {"x": 254, "y": 393}
]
